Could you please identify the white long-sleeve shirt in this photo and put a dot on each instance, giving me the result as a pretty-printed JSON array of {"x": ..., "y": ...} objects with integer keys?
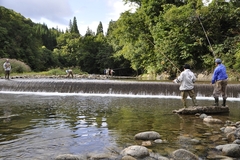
[
  {"x": 7, "y": 66},
  {"x": 187, "y": 80}
]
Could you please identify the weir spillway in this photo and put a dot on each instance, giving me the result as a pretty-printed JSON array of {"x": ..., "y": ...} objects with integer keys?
[{"x": 108, "y": 87}]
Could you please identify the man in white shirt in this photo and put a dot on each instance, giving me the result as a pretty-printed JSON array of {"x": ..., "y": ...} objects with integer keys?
[
  {"x": 7, "y": 68},
  {"x": 187, "y": 80}
]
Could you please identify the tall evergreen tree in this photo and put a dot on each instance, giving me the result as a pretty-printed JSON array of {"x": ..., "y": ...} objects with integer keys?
[
  {"x": 74, "y": 28},
  {"x": 70, "y": 26},
  {"x": 100, "y": 28}
]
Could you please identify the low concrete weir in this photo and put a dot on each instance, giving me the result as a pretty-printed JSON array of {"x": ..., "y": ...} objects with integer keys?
[{"x": 108, "y": 87}]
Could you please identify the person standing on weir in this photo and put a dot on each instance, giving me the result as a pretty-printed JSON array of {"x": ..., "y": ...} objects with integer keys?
[
  {"x": 7, "y": 68},
  {"x": 187, "y": 80},
  {"x": 220, "y": 81}
]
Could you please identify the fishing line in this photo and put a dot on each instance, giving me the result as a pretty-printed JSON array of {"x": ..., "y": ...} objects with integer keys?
[
  {"x": 205, "y": 34},
  {"x": 165, "y": 56}
]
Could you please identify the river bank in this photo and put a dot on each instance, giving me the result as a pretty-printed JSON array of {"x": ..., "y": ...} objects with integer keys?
[{"x": 201, "y": 76}]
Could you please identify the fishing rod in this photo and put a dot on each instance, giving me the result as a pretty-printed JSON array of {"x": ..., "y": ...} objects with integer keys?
[
  {"x": 205, "y": 33},
  {"x": 165, "y": 56}
]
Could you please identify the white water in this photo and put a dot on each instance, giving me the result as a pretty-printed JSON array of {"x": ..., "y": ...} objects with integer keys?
[{"x": 199, "y": 97}]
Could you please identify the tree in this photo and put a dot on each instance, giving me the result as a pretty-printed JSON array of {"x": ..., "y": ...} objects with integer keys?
[
  {"x": 74, "y": 27},
  {"x": 100, "y": 28}
]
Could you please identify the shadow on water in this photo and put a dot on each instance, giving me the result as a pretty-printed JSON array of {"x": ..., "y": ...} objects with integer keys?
[{"x": 44, "y": 126}]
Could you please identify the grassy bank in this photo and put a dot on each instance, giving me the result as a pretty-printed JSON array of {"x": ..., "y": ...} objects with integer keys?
[{"x": 19, "y": 68}]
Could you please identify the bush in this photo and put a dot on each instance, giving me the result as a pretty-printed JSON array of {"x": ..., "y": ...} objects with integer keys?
[{"x": 56, "y": 71}]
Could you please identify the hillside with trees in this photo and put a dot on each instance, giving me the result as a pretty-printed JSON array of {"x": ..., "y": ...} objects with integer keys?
[{"x": 160, "y": 36}]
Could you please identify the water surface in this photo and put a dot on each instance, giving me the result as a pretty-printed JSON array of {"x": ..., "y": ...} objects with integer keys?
[{"x": 45, "y": 125}]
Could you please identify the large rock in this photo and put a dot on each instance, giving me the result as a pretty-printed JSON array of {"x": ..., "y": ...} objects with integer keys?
[
  {"x": 202, "y": 109},
  {"x": 232, "y": 150},
  {"x": 149, "y": 135},
  {"x": 210, "y": 119},
  {"x": 231, "y": 136},
  {"x": 135, "y": 151},
  {"x": 229, "y": 129}
]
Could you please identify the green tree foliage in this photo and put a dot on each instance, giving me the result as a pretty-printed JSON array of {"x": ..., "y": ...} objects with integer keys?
[
  {"x": 159, "y": 36},
  {"x": 176, "y": 39},
  {"x": 68, "y": 49},
  {"x": 177, "y": 34},
  {"x": 18, "y": 38},
  {"x": 26, "y": 41},
  {"x": 47, "y": 36},
  {"x": 130, "y": 39},
  {"x": 134, "y": 37}
]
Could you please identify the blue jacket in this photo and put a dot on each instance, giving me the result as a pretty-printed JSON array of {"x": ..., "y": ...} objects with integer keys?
[{"x": 219, "y": 73}]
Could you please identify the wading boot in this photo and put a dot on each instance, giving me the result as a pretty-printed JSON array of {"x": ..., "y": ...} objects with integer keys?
[
  {"x": 216, "y": 102},
  {"x": 224, "y": 102}
]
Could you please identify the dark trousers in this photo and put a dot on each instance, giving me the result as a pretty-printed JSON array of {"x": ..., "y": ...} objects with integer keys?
[
  {"x": 220, "y": 89},
  {"x": 7, "y": 74},
  {"x": 70, "y": 73},
  {"x": 185, "y": 94}
]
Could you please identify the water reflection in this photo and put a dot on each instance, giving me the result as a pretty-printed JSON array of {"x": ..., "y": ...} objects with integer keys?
[{"x": 44, "y": 126}]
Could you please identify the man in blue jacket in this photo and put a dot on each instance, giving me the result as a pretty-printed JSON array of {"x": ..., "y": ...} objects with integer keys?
[{"x": 220, "y": 80}]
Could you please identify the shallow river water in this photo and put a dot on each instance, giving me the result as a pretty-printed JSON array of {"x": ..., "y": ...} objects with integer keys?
[{"x": 45, "y": 125}]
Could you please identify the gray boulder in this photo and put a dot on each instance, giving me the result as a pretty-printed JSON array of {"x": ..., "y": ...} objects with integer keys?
[
  {"x": 135, "y": 151},
  {"x": 232, "y": 150},
  {"x": 209, "y": 119},
  {"x": 149, "y": 135}
]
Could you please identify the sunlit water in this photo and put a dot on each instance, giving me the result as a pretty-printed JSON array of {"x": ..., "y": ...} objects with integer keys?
[{"x": 45, "y": 125}]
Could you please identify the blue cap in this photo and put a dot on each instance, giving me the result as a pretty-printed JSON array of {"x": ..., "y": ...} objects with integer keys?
[{"x": 218, "y": 60}]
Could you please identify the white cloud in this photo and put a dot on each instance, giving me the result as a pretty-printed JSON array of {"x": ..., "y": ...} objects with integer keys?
[
  {"x": 58, "y": 13},
  {"x": 115, "y": 7},
  {"x": 52, "y": 10},
  {"x": 118, "y": 7}
]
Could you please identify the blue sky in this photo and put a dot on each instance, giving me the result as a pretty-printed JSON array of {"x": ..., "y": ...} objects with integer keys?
[{"x": 58, "y": 13}]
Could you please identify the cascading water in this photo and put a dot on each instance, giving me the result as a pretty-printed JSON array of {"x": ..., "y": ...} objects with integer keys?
[{"x": 109, "y": 87}]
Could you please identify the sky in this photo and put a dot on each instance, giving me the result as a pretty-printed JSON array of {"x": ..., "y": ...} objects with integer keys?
[{"x": 58, "y": 13}]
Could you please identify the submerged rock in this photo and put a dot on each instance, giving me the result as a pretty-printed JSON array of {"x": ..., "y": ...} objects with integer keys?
[
  {"x": 149, "y": 135},
  {"x": 69, "y": 157},
  {"x": 181, "y": 154}
]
